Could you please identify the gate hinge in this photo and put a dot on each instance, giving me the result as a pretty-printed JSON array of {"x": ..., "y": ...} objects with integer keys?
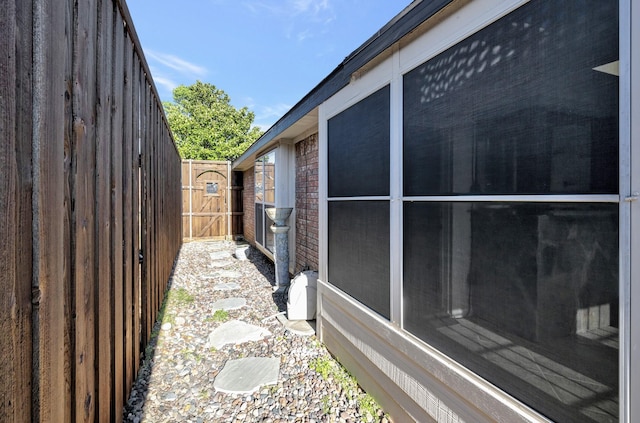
[
  {"x": 633, "y": 197},
  {"x": 139, "y": 160},
  {"x": 140, "y": 257}
]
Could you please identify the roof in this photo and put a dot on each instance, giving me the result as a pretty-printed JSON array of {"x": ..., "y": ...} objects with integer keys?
[{"x": 401, "y": 25}]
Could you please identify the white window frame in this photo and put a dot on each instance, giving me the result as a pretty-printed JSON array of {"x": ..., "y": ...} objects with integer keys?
[
  {"x": 284, "y": 152},
  {"x": 264, "y": 201},
  {"x": 448, "y": 31}
]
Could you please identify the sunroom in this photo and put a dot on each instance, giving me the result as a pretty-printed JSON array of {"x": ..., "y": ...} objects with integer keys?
[{"x": 477, "y": 189}]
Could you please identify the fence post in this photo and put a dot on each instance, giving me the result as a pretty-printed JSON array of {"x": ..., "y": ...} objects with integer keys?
[
  {"x": 190, "y": 200},
  {"x": 229, "y": 214}
]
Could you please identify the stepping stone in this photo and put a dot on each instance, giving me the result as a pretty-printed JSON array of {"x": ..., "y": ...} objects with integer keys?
[
  {"x": 247, "y": 375},
  {"x": 217, "y": 245},
  {"x": 298, "y": 327},
  {"x": 220, "y": 255},
  {"x": 223, "y": 263},
  {"x": 226, "y": 286},
  {"x": 229, "y": 304},
  {"x": 231, "y": 274},
  {"x": 236, "y": 332}
]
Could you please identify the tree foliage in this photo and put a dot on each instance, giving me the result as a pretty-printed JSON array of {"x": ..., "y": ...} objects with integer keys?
[{"x": 206, "y": 126}]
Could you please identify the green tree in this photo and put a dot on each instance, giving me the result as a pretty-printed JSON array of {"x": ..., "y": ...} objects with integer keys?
[{"x": 205, "y": 124}]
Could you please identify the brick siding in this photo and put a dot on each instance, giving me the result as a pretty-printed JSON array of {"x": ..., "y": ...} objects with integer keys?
[
  {"x": 307, "y": 204},
  {"x": 248, "y": 198}
]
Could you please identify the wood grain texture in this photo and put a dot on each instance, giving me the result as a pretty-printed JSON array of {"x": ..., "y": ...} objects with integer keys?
[
  {"x": 206, "y": 214},
  {"x": 104, "y": 299},
  {"x": 117, "y": 212},
  {"x": 23, "y": 195},
  {"x": 75, "y": 97},
  {"x": 127, "y": 202},
  {"x": 15, "y": 212},
  {"x": 49, "y": 55},
  {"x": 68, "y": 255},
  {"x": 145, "y": 315},
  {"x": 135, "y": 212},
  {"x": 84, "y": 211}
]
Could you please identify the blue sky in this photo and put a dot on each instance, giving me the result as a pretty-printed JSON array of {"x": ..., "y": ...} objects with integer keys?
[{"x": 266, "y": 54}]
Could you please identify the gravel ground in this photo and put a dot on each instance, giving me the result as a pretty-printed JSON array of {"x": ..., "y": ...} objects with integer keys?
[{"x": 175, "y": 382}]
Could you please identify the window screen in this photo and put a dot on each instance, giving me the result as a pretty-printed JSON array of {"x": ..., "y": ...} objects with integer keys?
[
  {"x": 359, "y": 251},
  {"x": 358, "y": 148},
  {"x": 259, "y": 217},
  {"x": 524, "y": 294},
  {"x": 528, "y": 105}
]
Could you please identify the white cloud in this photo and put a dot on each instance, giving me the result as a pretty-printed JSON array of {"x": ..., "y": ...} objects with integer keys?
[
  {"x": 266, "y": 116},
  {"x": 165, "y": 83},
  {"x": 304, "y": 35},
  {"x": 259, "y": 7},
  {"x": 176, "y": 63},
  {"x": 315, "y": 10},
  {"x": 311, "y": 6}
]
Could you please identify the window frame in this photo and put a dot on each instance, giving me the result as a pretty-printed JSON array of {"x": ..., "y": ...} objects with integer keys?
[
  {"x": 452, "y": 28},
  {"x": 265, "y": 221}
]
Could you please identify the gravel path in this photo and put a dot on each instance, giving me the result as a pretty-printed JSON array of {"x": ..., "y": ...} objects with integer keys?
[{"x": 175, "y": 382}]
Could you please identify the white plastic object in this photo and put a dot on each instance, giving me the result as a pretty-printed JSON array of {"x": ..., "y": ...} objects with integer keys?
[{"x": 301, "y": 304}]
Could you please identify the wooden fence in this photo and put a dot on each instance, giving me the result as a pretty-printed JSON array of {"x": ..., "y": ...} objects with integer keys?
[
  {"x": 211, "y": 200},
  {"x": 206, "y": 196},
  {"x": 90, "y": 183}
]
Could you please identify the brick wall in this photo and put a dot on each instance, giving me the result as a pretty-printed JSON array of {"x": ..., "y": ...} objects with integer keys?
[
  {"x": 248, "y": 198},
  {"x": 307, "y": 204}
]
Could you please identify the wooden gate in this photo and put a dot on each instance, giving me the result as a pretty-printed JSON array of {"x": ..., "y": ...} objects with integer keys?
[{"x": 206, "y": 199}]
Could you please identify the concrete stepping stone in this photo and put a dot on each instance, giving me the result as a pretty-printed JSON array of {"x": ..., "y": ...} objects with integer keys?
[
  {"x": 247, "y": 375},
  {"x": 226, "y": 286},
  {"x": 217, "y": 246},
  {"x": 223, "y": 263},
  {"x": 233, "y": 303},
  {"x": 220, "y": 255},
  {"x": 298, "y": 327},
  {"x": 236, "y": 332},
  {"x": 231, "y": 274}
]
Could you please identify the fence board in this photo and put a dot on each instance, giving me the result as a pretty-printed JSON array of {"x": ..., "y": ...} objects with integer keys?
[
  {"x": 135, "y": 213},
  {"x": 104, "y": 300},
  {"x": 145, "y": 299},
  {"x": 158, "y": 289},
  {"x": 69, "y": 323},
  {"x": 21, "y": 313},
  {"x": 127, "y": 218},
  {"x": 76, "y": 105},
  {"x": 49, "y": 40},
  {"x": 15, "y": 194},
  {"x": 83, "y": 180},
  {"x": 117, "y": 213}
]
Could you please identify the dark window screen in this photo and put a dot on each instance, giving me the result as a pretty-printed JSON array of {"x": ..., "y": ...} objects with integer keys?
[
  {"x": 358, "y": 148},
  {"x": 359, "y": 251},
  {"x": 269, "y": 236},
  {"x": 523, "y": 106},
  {"x": 523, "y": 294},
  {"x": 259, "y": 223}
]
